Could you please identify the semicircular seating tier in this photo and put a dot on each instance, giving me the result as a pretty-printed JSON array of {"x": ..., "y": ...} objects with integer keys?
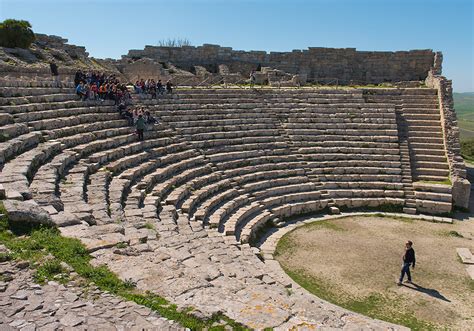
[{"x": 221, "y": 165}]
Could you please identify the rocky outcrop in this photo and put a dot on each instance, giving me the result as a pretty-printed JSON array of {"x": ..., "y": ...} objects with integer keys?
[{"x": 34, "y": 61}]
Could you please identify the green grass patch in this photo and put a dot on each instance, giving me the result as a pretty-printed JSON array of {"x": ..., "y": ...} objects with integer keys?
[
  {"x": 451, "y": 233},
  {"x": 121, "y": 245},
  {"x": 385, "y": 208},
  {"x": 149, "y": 226},
  {"x": 51, "y": 269},
  {"x": 45, "y": 249},
  {"x": 328, "y": 224}
]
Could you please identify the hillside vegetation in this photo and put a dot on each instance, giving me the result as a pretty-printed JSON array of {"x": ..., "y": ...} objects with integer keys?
[{"x": 464, "y": 105}]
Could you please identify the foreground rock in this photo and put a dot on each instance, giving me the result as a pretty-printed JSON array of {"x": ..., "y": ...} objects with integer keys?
[{"x": 26, "y": 212}]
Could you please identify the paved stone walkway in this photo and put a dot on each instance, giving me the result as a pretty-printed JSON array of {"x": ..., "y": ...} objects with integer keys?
[{"x": 27, "y": 306}]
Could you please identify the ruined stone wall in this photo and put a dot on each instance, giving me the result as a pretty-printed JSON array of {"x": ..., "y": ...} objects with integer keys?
[
  {"x": 461, "y": 186},
  {"x": 318, "y": 64}
]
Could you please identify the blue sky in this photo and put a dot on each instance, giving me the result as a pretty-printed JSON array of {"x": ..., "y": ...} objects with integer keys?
[{"x": 109, "y": 28}]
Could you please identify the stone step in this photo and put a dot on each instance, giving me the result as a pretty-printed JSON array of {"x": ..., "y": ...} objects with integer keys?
[
  {"x": 430, "y": 178},
  {"x": 424, "y": 116},
  {"x": 10, "y": 131},
  {"x": 433, "y": 196},
  {"x": 409, "y": 210},
  {"x": 6, "y": 119},
  {"x": 418, "y": 171},
  {"x": 416, "y": 152},
  {"x": 18, "y": 145},
  {"x": 432, "y": 187}
]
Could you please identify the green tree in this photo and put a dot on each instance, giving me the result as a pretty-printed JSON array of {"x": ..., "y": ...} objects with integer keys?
[{"x": 16, "y": 33}]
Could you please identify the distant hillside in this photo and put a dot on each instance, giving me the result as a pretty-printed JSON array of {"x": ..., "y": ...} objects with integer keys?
[{"x": 464, "y": 105}]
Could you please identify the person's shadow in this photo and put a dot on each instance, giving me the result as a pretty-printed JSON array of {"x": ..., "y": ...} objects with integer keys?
[{"x": 431, "y": 292}]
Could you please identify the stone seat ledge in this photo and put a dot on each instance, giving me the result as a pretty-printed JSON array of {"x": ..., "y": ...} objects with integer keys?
[
  {"x": 217, "y": 217},
  {"x": 40, "y": 107},
  {"x": 207, "y": 206},
  {"x": 12, "y": 92},
  {"x": 18, "y": 145},
  {"x": 266, "y": 180},
  {"x": 52, "y": 114},
  {"x": 69, "y": 132},
  {"x": 240, "y": 216},
  {"x": 29, "y": 99}
]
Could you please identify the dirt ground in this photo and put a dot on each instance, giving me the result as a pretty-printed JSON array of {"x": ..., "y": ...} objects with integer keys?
[{"x": 361, "y": 256}]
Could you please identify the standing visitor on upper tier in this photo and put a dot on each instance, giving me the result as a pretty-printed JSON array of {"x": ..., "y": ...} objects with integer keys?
[
  {"x": 54, "y": 72},
  {"x": 169, "y": 87},
  {"x": 159, "y": 87},
  {"x": 77, "y": 77},
  {"x": 252, "y": 78},
  {"x": 408, "y": 260},
  {"x": 140, "y": 124}
]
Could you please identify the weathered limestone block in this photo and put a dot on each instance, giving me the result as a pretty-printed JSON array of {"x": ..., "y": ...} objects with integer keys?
[
  {"x": 65, "y": 218},
  {"x": 465, "y": 255},
  {"x": 461, "y": 191},
  {"x": 26, "y": 212}
]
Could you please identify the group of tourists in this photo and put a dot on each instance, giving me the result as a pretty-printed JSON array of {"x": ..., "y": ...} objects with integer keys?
[
  {"x": 99, "y": 86},
  {"x": 153, "y": 88}
]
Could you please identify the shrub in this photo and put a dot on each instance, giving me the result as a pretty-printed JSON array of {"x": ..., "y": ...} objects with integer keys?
[
  {"x": 175, "y": 42},
  {"x": 15, "y": 33}
]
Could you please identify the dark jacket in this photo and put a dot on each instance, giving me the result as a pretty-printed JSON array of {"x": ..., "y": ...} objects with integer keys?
[
  {"x": 54, "y": 69},
  {"x": 409, "y": 256},
  {"x": 140, "y": 123}
]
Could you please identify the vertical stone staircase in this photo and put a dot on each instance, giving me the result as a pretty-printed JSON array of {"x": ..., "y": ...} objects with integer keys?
[
  {"x": 410, "y": 199},
  {"x": 430, "y": 169}
]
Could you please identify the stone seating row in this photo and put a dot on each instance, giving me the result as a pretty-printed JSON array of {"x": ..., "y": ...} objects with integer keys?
[
  {"x": 308, "y": 135},
  {"x": 306, "y": 122},
  {"x": 295, "y": 107},
  {"x": 35, "y": 99},
  {"x": 42, "y": 108},
  {"x": 70, "y": 117},
  {"x": 29, "y": 92},
  {"x": 18, "y": 145},
  {"x": 13, "y": 130},
  {"x": 36, "y": 83},
  {"x": 246, "y": 102}
]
